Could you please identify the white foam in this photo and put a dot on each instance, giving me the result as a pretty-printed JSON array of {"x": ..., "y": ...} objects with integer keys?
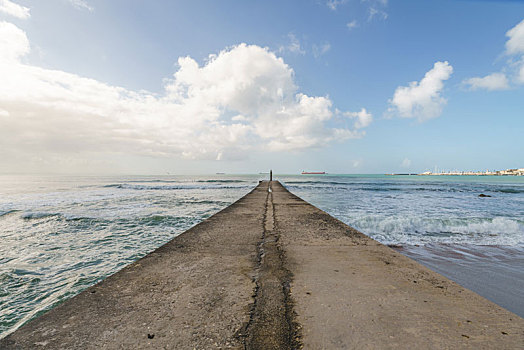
[{"x": 416, "y": 230}]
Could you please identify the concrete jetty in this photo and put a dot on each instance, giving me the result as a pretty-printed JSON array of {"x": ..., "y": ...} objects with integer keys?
[{"x": 272, "y": 271}]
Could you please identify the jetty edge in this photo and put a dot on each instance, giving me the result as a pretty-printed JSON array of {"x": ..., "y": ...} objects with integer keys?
[{"x": 271, "y": 271}]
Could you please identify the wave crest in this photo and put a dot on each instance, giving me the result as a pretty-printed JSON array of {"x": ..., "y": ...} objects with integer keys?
[{"x": 415, "y": 230}]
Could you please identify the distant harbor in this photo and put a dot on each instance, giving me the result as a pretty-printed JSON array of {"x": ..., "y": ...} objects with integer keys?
[{"x": 507, "y": 172}]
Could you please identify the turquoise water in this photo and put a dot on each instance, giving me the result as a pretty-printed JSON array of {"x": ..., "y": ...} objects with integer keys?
[
  {"x": 422, "y": 209},
  {"x": 60, "y": 235}
]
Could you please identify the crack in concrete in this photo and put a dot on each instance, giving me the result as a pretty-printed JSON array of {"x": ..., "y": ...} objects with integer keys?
[{"x": 271, "y": 324}]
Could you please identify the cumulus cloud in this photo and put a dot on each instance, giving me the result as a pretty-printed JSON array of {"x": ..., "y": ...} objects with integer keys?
[
  {"x": 494, "y": 81},
  {"x": 363, "y": 118},
  {"x": 520, "y": 73},
  {"x": 13, "y": 9},
  {"x": 13, "y": 42},
  {"x": 514, "y": 66},
  {"x": 244, "y": 98},
  {"x": 515, "y": 43},
  {"x": 422, "y": 100},
  {"x": 515, "y": 47}
]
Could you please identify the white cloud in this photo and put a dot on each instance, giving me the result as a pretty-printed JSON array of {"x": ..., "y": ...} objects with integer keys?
[
  {"x": 514, "y": 67},
  {"x": 294, "y": 46},
  {"x": 319, "y": 50},
  {"x": 515, "y": 47},
  {"x": 239, "y": 117},
  {"x": 494, "y": 81},
  {"x": 515, "y": 43},
  {"x": 422, "y": 100},
  {"x": 81, "y": 4},
  {"x": 374, "y": 12},
  {"x": 376, "y": 3},
  {"x": 406, "y": 163},
  {"x": 13, "y": 42},
  {"x": 13, "y": 9},
  {"x": 352, "y": 24},
  {"x": 376, "y": 9},
  {"x": 357, "y": 163},
  {"x": 520, "y": 74},
  {"x": 333, "y": 4},
  {"x": 363, "y": 118},
  {"x": 242, "y": 99}
]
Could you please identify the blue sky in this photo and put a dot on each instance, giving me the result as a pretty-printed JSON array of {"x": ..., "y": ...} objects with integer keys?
[{"x": 130, "y": 87}]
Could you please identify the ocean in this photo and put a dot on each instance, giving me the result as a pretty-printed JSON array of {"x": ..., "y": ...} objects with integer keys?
[{"x": 61, "y": 234}]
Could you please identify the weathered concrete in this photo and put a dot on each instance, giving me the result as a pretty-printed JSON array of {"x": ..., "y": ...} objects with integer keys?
[
  {"x": 272, "y": 272},
  {"x": 271, "y": 325},
  {"x": 352, "y": 292}
]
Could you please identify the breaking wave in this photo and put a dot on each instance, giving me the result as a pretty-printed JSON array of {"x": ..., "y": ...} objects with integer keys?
[
  {"x": 416, "y": 230},
  {"x": 172, "y": 187},
  {"x": 38, "y": 215},
  {"x": 7, "y": 212}
]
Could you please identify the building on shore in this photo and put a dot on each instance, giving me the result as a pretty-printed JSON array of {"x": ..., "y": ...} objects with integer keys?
[
  {"x": 518, "y": 172},
  {"x": 507, "y": 172}
]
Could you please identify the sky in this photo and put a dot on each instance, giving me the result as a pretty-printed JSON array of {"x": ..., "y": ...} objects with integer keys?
[{"x": 198, "y": 87}]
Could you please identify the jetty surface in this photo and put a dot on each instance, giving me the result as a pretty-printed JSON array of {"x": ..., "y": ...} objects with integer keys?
[{"x": 272, "y": 271}]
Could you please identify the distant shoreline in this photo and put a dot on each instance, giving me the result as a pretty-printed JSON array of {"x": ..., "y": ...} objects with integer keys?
[
  {"x": 507, "y": 172},
  {"x": 447, "y": 174}
]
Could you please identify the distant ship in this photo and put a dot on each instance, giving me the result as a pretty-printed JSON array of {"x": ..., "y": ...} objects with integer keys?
[{"x": 313, "y": 172}]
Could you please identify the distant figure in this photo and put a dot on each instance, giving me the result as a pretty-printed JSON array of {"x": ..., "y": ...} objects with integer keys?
[{"x": 271, "y": 175}]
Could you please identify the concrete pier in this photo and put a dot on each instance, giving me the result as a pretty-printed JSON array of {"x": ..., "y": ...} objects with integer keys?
[{"x": 273, "y": 272}]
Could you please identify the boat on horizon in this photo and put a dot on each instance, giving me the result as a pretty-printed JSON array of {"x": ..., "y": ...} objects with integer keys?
[{"x": 313, "y": 172}]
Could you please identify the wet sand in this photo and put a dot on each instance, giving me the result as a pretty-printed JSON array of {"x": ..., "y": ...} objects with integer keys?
[
  {"x": 495, "y": 272},
  {"x": 273, "y": 272}
]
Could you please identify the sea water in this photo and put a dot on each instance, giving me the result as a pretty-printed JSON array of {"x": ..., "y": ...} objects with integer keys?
[
  {"x": 422, "y": 209},
  {"x": 61, "y": 234}
]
